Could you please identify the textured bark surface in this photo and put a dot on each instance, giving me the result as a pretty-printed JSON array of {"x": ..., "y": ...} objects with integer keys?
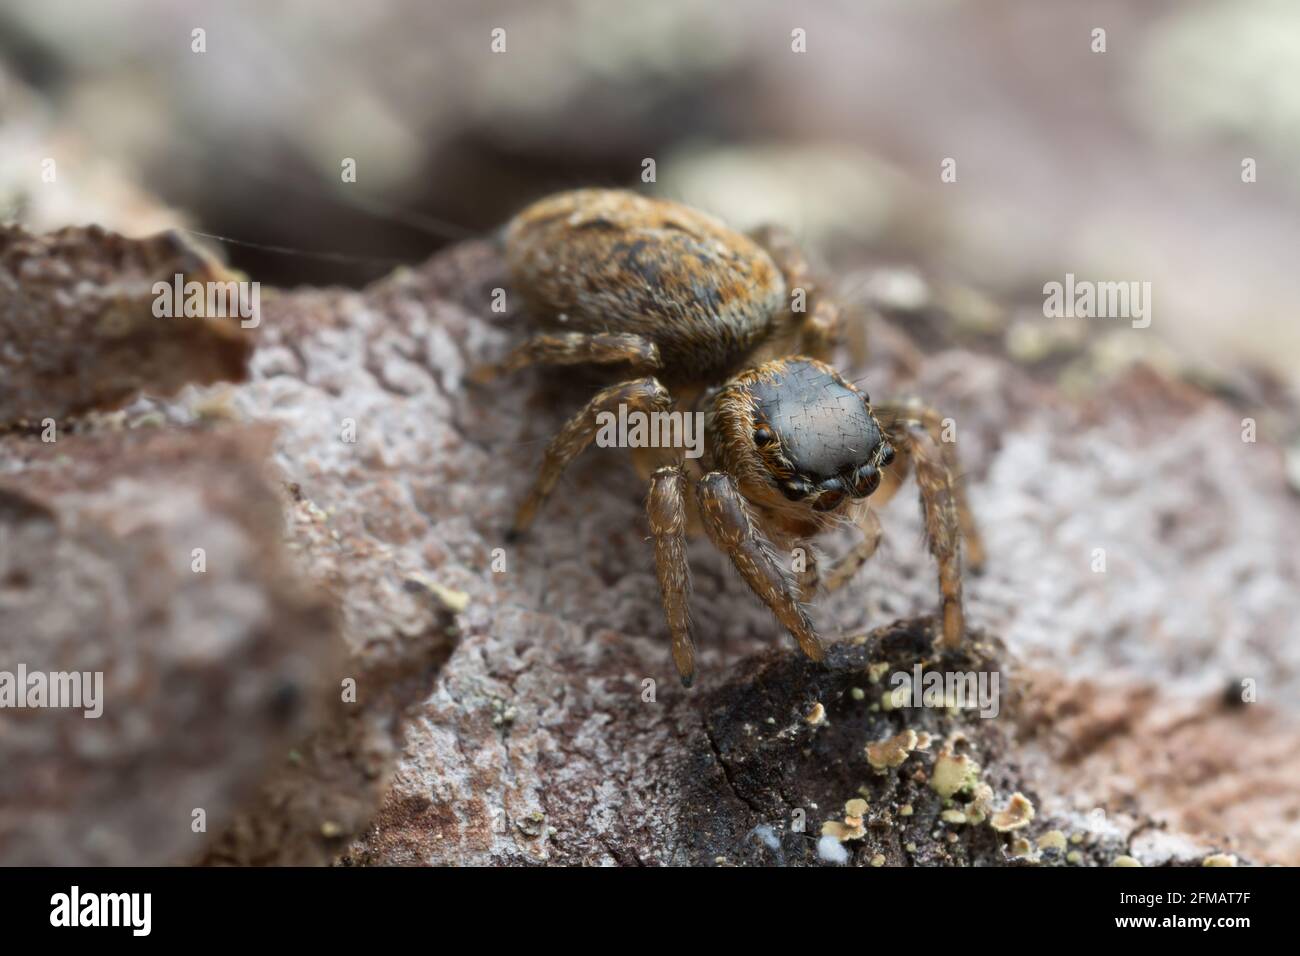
[
  {"x": 540, "y": 741},
  {"x": 78, "y": 327},
  {"x": 209, "y": 675}
]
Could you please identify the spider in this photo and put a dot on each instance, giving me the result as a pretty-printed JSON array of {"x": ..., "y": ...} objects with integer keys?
[{"x": 704, "y": 319}]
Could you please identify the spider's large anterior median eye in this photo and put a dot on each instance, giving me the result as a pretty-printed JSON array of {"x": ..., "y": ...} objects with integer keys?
[
  {"x": 832, "y": 493},
  {"x": 763, "y": 435},
  {"x": 828, "y": 500}
]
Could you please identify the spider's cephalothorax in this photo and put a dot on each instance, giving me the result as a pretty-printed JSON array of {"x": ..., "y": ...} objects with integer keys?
[
  {"x": 794, "y": 427},
  {"x": 735, "y": 327}
]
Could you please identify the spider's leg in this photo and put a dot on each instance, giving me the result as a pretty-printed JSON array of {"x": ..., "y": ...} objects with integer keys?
[
  {"x": 847, "y": 565},
  {"x": 933, "y": 422},
  {"x": 818, "y": 325},
  {"x": 666, "y": 509},
  {"x": 730, "y": 527},
  {"x": 810, "y": 578},
  {"x": 643, "y": 394},
  {"x": 576, "y": 348},
  {"x": 821, "y": 329},
  {"x": 915, "y": 444}
]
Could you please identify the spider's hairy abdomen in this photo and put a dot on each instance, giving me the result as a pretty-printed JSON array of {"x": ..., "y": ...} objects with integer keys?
[{"x": 612, "y": 261}]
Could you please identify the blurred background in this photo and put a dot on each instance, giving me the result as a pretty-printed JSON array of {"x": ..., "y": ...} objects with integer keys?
[{"x": 1122, "y": 165}]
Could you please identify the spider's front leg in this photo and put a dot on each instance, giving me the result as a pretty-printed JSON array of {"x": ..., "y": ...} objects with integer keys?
[
  {"x": 904, "y": 416},
  {"x": 920, "y": 445},
  {"x": 643, "y": 394},
  {"x": 730, "y": 527},
  {"x": 666, "y": 509}
]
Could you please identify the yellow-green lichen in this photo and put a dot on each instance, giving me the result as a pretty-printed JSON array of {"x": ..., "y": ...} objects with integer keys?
[
  {"x": 452, "y": 599},
  {"x": 852, "y": 826},
  {"x": 1018, "y": 813},
  {"x": 1052, "y": 840},
  {"x": 1022, "y": 849},
  {"x": 883, "y": 754},
  {"x": 953, "y": 773}
]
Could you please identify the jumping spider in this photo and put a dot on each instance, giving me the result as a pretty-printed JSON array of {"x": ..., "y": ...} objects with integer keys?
[{"x": 707, "y": 316}]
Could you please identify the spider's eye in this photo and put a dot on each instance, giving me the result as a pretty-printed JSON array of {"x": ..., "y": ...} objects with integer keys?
[
  {"x": 828, "y": 500},
  {"x": 832, "y": 493},
  {"x": 763, "y": 435},
  {"x": 796, "y": 489},
  {"x": 866, "y": 479}
]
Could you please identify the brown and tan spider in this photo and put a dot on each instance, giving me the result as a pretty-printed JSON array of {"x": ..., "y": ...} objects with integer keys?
[{"x": 730, "y": 326}]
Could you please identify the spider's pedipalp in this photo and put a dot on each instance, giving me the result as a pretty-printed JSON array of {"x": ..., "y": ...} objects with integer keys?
[{"x": 848, "y": 565}]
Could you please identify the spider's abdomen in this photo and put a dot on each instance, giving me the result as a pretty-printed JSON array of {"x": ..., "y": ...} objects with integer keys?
[{"x": 598, "y": 260}]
